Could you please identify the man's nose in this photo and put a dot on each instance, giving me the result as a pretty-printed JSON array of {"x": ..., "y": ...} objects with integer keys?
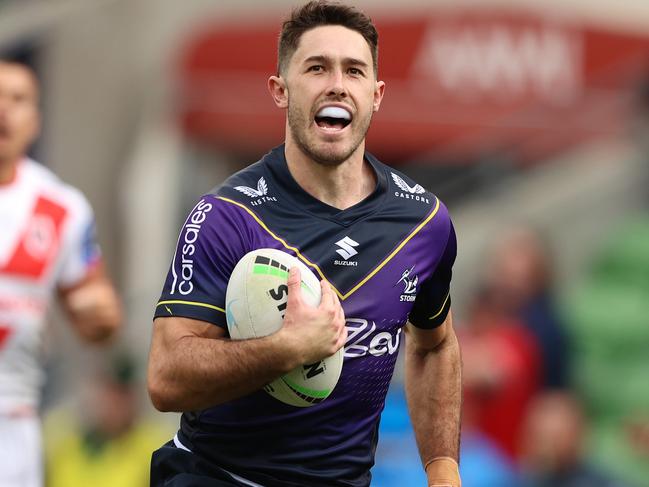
[{"x": 337, "y": 84}]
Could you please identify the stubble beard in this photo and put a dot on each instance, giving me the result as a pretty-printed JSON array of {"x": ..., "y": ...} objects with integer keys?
[{"x": 299, "y": 126}]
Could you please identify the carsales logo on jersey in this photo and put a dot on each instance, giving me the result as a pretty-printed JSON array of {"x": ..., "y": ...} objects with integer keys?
[{"x": 190, "y": 234}]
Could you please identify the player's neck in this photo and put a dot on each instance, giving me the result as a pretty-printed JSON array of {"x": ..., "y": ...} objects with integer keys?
[
  {"x": 340, "y": 186},
  {"x": 8, "y": 170}
]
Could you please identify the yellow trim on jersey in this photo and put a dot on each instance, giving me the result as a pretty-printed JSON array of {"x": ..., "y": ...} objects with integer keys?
[
  {"x": 315, "y": 266},
  {"x": 280, "y": 240},
  {"x": 442, "y": 309},
  {"x": 191, "y": 303},
  {"x": 396, "y": 251}
]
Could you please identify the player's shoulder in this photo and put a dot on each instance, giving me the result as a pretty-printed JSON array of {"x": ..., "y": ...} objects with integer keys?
[
  {"x": 250, "y": 182},
  {"x": 47, "y": 183},
  {"x": 226, "y": 205},
  {"x": 406, "y": 197}
]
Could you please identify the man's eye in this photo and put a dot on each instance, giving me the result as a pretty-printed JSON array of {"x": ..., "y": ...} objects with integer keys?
[
  {"x": 355, "y": 71},
  {"x": 315, "y": 68}
]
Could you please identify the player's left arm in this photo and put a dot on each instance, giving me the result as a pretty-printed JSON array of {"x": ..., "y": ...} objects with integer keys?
[
  {"x": 92, "y": 306},
  {"x": 85, "y": 291},
  {"x": 433, "y": 371},
  {"x": 433, "y": 383}
]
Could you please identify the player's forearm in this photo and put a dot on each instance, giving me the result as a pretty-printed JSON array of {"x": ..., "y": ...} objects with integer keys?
[
  {"x": 95, "y": 310},
  {"x": 196, "y": 373},
  {"x": 433, "y": 389}
]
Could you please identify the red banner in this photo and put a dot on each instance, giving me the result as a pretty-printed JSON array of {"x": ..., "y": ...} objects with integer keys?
[{"x": 460, "y": 85}]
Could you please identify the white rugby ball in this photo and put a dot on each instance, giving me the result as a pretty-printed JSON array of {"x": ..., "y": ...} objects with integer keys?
[{"x": 255, "y": 303}]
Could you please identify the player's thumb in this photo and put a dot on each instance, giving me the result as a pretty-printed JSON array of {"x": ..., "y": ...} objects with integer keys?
[{"x": 294, "y": 292}]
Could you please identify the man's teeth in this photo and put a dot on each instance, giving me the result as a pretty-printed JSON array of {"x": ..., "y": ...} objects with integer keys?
[{"x": 334, "y": 112}]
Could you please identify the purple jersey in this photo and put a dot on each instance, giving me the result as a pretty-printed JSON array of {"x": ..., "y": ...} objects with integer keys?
[{"x": 389, "y": 258}]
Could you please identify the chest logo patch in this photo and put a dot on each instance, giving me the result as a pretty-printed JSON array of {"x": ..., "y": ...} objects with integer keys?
[
  {"x": 38, "y": 244},
  {"x": 409, "y": 281},
  {"x": 346, "y": 250},
  {"x": 260, "y": 193},
  {"x": 416, "y": 192}
]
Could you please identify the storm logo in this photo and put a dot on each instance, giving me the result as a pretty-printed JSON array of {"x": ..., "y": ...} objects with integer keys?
[{"x": 409, "y": 282}]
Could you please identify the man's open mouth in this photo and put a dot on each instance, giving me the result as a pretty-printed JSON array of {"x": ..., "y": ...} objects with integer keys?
[{"x": 333, "y": 118}]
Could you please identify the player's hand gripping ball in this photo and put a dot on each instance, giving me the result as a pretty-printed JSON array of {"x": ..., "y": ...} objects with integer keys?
[{"x": 255, "y": 302}]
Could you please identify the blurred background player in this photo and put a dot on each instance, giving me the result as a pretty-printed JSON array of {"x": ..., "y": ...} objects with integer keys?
[
  {"x": 47, "y": 248},
  {"x": 553, "y": 453},
  {"x": 519, "y": 279},
  {"x": 501, "y": 371}
]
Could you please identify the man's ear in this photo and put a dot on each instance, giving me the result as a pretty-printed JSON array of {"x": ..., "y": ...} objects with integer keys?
[
  {"x": 278, "y": 90},
  {"x": 379, "y": 91}
]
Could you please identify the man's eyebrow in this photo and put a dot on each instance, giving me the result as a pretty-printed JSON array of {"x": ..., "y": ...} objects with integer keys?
[
  {"x": 316, "y": 59},
  {"x": 355, "y": 62},
  {"x": 350, "y": 61}
]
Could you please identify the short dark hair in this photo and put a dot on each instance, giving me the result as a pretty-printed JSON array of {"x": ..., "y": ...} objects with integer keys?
[
  {"x": 322, "y": 12},
  {"x": 27, "y": 68}
]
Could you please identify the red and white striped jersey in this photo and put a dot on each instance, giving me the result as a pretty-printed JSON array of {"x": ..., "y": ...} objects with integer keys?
[{"x": 47, "y": 241}]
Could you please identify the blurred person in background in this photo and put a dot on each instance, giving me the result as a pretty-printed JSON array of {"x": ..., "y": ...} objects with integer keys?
[
  {"x": 47, "y": 249},
  {"x": 502, "y": 370},
  {"x": 520, "y": 282},
  {"x": 319, "y": 190},
  {"x": 106, "y": 444},
  {"x": 553, "y": 445},
  {"x": 638, "y": 433}
]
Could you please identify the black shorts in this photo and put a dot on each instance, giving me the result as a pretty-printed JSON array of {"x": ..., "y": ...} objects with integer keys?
[{"x": 175, "y": 467}]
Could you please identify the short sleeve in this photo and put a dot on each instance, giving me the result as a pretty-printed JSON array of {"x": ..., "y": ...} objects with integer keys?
[
  {"x": 433, "y": 301},
  {"x": 81, "y": 253},
  {"x": 211, "y": 242}
]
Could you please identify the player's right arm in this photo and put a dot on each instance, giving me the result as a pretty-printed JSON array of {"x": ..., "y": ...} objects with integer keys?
[{"x": 193, "y": 365}]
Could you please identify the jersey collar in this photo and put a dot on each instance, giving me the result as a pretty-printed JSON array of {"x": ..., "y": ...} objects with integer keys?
[{"x": 282, "y": 178}]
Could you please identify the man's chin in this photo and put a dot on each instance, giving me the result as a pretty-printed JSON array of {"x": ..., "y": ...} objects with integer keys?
[
  {"x": 5, "y": 156},
  {"x": 326, "y": 151},
  {"x": 331, "y": 154},
  {"x": 330, "y": 158}
]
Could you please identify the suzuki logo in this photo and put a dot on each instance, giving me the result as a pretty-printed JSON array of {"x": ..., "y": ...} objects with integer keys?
[{"x": 347, "y": 249}]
